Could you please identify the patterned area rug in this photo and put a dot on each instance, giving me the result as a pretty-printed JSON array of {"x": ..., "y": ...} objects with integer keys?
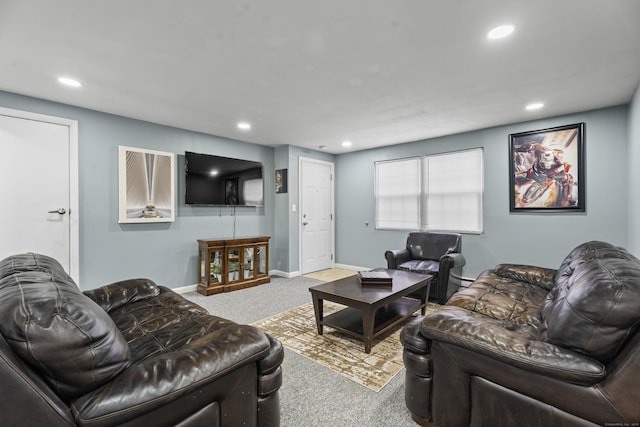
[{"x": 296, "y": 329}]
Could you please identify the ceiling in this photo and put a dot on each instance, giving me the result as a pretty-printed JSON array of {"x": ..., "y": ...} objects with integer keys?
[{"x": 317, "y": 73}]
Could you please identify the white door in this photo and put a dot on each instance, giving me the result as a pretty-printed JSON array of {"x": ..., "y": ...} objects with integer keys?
[
  {"x": 316, "y": 215},
  {"x": 39, "y": 191}
]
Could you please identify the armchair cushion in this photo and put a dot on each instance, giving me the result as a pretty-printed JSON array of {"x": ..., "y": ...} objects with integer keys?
[
  {"x": 425, "y": 266},
  {"x": 63, "y": 334}
]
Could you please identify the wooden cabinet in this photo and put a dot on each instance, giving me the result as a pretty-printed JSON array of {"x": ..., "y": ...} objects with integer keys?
[{"x": 229, "y": 264}]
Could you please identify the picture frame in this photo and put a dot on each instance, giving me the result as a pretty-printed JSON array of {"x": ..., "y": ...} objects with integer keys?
[
  {"x": 547, "y": 170},
  {"x": 281, "y": 181},
  {"x": 146, "y": 185}
]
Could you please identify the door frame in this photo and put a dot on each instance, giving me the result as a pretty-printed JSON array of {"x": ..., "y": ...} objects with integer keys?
[
  {"x": 332, "y": 208},
  {"x": 74, "y": 205}
]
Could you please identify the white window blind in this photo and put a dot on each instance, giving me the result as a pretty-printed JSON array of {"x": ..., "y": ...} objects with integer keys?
[
  {"x": 397, "y": 194},
  {"x": 448, "y": 190}
]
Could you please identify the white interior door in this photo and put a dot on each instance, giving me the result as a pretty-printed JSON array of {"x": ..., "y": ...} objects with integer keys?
[
  {"x": 39, "y": 194},
  {"x": 316, "y": 215}
]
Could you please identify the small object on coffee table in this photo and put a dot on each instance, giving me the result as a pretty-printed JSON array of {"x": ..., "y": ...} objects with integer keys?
[{"x": 376, "y": 278}]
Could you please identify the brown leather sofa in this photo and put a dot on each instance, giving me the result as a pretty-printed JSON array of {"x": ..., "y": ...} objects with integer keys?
[
  {"x": 435, "y": 253},
  {"x": 531, "y": 346},
  {"x": 127, "y": 354}
]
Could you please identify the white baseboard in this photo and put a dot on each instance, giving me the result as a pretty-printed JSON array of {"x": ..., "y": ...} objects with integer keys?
[
  {"x": 286, "y": 275},
  {"x": 353, "y": 267},
  {"x": 185, "y": 289}
]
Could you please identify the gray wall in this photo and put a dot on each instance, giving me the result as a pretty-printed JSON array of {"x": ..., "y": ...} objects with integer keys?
[
  {"x": 634, "y": 174},
  {"x": 534, "y": 238},
  {"x": 164, "y": 252},
  {"x": 167, "y": 252}
]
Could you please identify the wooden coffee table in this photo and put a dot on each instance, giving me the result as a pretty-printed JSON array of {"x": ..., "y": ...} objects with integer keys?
[{"x": 371, "y": 310}]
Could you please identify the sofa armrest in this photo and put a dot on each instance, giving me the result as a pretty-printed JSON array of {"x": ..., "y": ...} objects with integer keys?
[
  {"x": 396, "y": 257},
  {"x": 514, "y": 345},
  {"x": 117, "y": 294},
  {"x": 411, "y": 338},
  {"x": 160, "y": 380},
  {"x": 543, "y": 277}
]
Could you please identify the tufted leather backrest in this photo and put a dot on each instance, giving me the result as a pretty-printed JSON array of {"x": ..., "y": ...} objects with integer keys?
[
  {"x": 56, "y": 329},
  {"x": 31, "y": 262},
  {"x": 432, "y": 245},
  {"x": 595, "y": 302}
]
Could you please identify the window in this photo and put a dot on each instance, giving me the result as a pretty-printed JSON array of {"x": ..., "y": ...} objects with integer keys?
[{"x": 437, "y": 192}]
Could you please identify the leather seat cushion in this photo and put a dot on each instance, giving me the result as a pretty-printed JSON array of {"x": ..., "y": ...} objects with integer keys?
[
  {"x": 424, "y": 266},
  {"x": 502, "y": 298},
  {"x": 595, "y": 303},
  {"x": 62, "y": 333}
]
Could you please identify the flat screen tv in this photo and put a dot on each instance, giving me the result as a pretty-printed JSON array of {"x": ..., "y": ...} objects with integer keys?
[{"x": 222, "y": 181}]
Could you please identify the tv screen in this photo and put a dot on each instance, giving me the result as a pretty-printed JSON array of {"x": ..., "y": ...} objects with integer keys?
[{"x": 222, "y": 181}]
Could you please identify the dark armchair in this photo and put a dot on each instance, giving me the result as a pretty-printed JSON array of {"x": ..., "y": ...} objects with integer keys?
[
  {"x": 530, "y": 346},
  {"x": 438, "y": 254},
  {"x": 130, "y": 353}
]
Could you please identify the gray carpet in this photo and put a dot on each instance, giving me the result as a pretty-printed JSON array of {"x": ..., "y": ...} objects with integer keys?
[{"x": 311, "y": 395}]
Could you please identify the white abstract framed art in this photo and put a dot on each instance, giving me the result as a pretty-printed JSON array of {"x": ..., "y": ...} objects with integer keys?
[{"x": 146, "y": 185}]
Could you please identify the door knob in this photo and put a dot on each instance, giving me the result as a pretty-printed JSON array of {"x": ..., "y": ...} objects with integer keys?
[
  {"x": 60, "y": 211},
  {"x": 305, "y": 223}
]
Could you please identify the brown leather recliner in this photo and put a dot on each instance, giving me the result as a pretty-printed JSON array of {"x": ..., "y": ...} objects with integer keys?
[
  {"x": 127, "y": 354},
  {"x": 532, "y": 346},
  {"x": 435, "y": 253}
]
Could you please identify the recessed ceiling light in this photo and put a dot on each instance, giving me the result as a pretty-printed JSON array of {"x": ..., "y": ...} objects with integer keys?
[
  {"x": 213, "y": 172},
  {"x": 500, "y": 32},
  {"x": 69, "y": 82},
  {"x": 244, "y": 126},
  {"x": 534, "y": 106},
  {"x": 346, "y": 143}
]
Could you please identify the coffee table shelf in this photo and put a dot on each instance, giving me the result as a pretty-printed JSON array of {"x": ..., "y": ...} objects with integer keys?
[
  {"x": 371, "y": 311},
  {"x": 349, "y": 320}
]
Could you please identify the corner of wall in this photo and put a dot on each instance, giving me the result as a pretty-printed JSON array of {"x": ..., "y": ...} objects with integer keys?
[{"x": 633, "y": 159}]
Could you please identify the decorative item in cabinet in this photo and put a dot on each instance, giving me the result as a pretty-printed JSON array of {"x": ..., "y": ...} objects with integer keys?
[{"x": 230, "y": 264}]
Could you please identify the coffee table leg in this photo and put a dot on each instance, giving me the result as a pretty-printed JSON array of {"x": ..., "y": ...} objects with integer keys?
[
  {"x": 368, "y": 321},
  {"x": 317, "y": 308},
  {"x": 424, "y": 296}
]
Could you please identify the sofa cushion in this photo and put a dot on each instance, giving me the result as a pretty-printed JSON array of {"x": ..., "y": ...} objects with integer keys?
[
  {"x": 62, "y": 333},
  {"x": 595, "y": 303},
  {"x": 163, "y": 324},
  {"x": 502, "y": 298}
]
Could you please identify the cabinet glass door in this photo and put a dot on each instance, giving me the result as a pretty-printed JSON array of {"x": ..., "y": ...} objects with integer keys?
[
  {"x": 262, "y": 259},
  {"x": 203, "y": 266},
  {"x": 249, "y": 260},
  {"x": 233, "y": 261},
  {"x": 215, "y": 267}
]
